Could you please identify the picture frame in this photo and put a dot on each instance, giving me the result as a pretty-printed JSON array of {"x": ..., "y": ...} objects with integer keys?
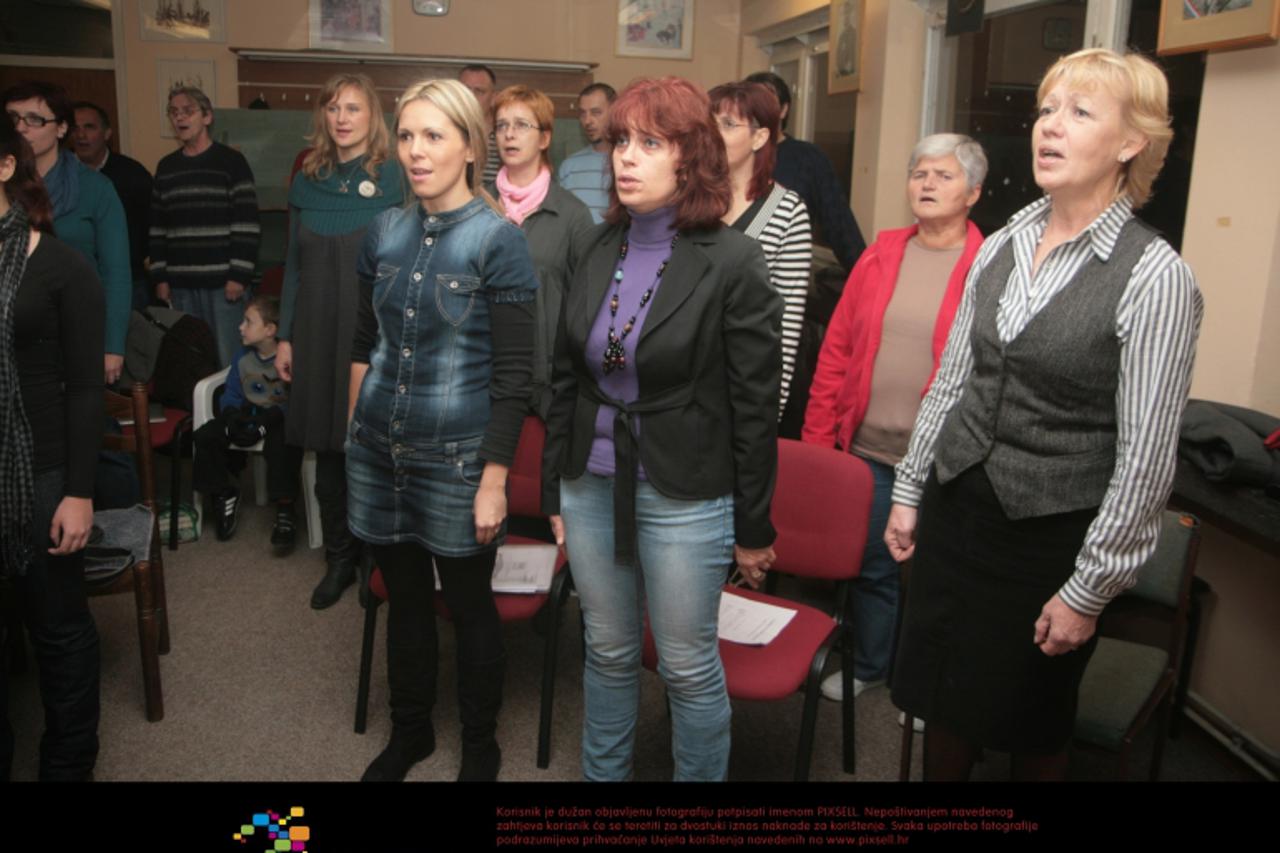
[
  {"x": 655, "y": 29},
  {"x": 362, "y": 26},
  {"x": 201, "y": 73},
  {"x": 183, "y": 20},
  {"x": 844, "y": 46},
  {"x": 1191, "y": 25}
]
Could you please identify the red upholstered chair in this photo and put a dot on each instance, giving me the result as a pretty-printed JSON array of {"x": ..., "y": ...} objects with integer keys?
[
  {"x": 524, "y": 485},
  {"x": 820, "y": 509}
]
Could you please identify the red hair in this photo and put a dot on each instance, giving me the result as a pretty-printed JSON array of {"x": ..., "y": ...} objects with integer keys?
[
  {"x": 757, "y": 104},
  {"x": 679, "y": 112}
]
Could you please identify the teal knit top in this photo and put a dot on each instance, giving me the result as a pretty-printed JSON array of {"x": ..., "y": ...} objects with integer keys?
[
  {"x": 95, "y": 227},
  {"x": 344, "y": 201}
]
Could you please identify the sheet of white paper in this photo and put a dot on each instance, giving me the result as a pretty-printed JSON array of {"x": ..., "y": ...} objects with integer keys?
[
  {"x": 752, "y": 623},
  {"x": 522, "y": 569}
]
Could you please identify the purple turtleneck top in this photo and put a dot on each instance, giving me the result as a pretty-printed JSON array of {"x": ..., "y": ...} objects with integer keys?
[{"x": 649, "y": 240}]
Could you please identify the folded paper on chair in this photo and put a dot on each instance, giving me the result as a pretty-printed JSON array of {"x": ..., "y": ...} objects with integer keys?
[
  {"x": 522, "y": 569},
  {"x": 750, "y": 622}
]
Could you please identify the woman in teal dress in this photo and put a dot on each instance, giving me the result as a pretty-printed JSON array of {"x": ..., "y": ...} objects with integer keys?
[{"x": 346, "y": 181}]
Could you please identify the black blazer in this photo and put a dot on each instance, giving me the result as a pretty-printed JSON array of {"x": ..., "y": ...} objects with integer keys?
[{"x": 711, "y": 344}]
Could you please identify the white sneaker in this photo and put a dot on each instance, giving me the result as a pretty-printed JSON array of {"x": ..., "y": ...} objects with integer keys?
[
  {"x": 917, "y": 724},
  {"x": 834, "y": 690}
]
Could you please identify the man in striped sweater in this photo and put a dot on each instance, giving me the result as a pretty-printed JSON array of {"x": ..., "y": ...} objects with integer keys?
[{"x": 204, "y": 223}]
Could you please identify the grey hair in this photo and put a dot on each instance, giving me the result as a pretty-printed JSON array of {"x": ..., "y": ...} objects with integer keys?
[
  {"x": 968, "y": 153},
  {"x": 194, "y": 93}
]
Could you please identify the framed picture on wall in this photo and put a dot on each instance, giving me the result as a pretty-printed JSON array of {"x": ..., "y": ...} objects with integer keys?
[
  {"x": 660, "y": 29},
  {"x": 1190, "y": 25},
  {"x": 355, "y": 25},
  {"x": 844, "y": 54},
  {"x": 171, "y": 73},
  {"x": 183, "y": 20}
]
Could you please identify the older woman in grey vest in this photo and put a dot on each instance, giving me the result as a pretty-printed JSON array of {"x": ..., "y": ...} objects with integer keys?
[{"x": 1045, "y": 450}]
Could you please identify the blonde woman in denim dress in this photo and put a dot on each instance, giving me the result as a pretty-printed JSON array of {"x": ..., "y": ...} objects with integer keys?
[{"x": 439, "y": 384}]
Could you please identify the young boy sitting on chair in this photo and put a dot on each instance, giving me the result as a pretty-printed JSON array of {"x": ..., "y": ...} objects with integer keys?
[{"x": 253, "y": 404}]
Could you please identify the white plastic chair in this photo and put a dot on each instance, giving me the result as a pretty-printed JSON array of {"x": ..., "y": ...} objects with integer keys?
[{"x": 202, "y": 400}]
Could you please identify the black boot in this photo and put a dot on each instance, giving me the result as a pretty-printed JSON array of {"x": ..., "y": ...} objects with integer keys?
[
  {"x": 411, "y": 679},
  {"x": 284, "y": 534},
  {"x": 339, "y": 575},
  {"x": 406, "y": 748},
  {"x": 341, "y": 549},
  {"x": 479, "y": 701}
]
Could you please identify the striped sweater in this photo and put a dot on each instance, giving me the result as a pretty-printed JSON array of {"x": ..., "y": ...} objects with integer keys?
[
  {"x": 204, "y": 220},
  {"x": 780, "y": 224}
]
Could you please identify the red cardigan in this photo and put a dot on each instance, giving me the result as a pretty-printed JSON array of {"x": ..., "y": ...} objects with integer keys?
[{"x": 841, "y": 386}]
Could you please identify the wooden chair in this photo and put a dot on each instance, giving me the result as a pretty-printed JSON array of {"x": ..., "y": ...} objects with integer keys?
[{"x": 145, "y": 578}]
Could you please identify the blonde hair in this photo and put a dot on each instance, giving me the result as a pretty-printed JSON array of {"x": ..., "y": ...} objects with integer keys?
[
  {"x": 322, "y": 159},
  {"x": 462, "y": 109},
  {"x": 1140, "y": 85}
]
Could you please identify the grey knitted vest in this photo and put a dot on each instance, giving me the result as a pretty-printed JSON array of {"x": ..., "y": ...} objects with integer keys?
[{"x": 1039, "y": 413}]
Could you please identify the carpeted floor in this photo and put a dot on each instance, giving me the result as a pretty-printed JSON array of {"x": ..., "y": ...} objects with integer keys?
[{"x": 260, "y": 687}]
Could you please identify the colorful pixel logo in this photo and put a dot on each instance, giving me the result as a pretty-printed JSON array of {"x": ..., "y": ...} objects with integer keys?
[{"x": 276, "y": 831}]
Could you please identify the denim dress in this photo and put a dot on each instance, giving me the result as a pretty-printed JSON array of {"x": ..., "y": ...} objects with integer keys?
[{"x": 413, "y": 448}]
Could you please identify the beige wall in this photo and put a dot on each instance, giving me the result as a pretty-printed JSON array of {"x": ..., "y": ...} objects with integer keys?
[
  {"x": 1233, "y": 243},
  {"x": 888, "y": 114},
  {"x": 1233, "y": 216},
  {"x": 562, "y": 30}
]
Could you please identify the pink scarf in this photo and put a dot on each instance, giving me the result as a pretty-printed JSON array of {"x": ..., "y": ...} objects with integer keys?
[{"x": 519, "y": 202}]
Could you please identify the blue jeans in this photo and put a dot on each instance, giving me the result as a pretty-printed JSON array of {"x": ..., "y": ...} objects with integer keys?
[
  {"x": 874, "y": 601},
  {"x": 222, "y": 317},
  {"x": 685, "y": 548}
]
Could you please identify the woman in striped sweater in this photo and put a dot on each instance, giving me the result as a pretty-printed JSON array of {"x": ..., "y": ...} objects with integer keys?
[{"x": 772, "y": 215}]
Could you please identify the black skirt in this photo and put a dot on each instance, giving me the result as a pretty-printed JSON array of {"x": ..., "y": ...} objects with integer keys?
[{"x": 967, "y": 660}]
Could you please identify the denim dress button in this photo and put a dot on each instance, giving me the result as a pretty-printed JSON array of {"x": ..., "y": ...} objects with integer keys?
[
  {"x": 430, "y": 241},
  {"x": 401, "y": 389},
  {"x": 406, "y": 352},
  {"x": 409, "y": 312},
  {"x": 453, "y": 285},
  {"x": 417, "y": 276}
]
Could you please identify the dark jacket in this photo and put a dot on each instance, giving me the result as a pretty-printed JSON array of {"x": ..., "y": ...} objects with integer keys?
[
  {"x": 709, "y": 349},
  {"x": 552, "y": 231}
]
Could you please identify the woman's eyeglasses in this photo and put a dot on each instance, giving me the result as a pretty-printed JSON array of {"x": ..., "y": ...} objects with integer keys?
[
  {"x": 519, "y": 126},
  {"x": 30, "y": 119}
]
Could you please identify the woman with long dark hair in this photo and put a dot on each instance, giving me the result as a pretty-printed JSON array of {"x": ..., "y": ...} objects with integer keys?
[
  {"x": 749, "y": 119},
  {"x": 661, "y": 441},
  {"x": 51, "y": 415}
]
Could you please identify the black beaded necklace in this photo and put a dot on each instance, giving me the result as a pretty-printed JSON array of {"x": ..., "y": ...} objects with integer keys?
[{"x": 615, "y": 354}]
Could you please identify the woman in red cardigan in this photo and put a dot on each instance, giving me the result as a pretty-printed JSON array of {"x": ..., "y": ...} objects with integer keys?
[{"x": 880, "y": 355}]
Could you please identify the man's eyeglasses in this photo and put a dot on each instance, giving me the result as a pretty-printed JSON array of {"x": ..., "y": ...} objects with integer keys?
[
  {"x": 182, "y": 112},
  {"x": 31, "y": 119}
]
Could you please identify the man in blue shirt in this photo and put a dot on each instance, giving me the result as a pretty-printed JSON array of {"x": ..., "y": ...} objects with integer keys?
[{"x": 586, "y": 173}]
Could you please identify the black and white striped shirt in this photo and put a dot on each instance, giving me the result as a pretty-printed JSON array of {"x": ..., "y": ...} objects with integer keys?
[
  {"x": 781, "y": 227},
  {"x": 1157, "y": 323}
]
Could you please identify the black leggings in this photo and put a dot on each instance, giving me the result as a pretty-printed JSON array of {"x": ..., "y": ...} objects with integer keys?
[{"x": 413, "y": 646}]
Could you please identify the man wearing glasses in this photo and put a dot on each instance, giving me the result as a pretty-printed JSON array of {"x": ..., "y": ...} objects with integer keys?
[{"x": 204, "y": 223}]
